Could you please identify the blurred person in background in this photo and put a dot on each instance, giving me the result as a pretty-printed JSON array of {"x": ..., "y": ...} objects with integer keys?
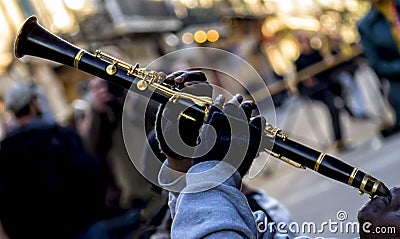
[
  {"x": 104, "y": 139},
  {"x": 46, "y": 113},
  {"x": 380, "y": 38},
  {"x": 344, "y": 74},
  {"x": 49, "y": 186},
  {"x": 319, "y": 87},
  {"x": 247, "y": 41}
]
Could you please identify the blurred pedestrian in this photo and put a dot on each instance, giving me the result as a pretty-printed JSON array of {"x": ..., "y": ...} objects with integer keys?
[
  {"x": 319, "y": 87},
  {"x": 49, "y": 186},
  {"x": 104, "y": 139},
  {"x": 344, "y": 74},
  {"x": 380, "y": 38}
]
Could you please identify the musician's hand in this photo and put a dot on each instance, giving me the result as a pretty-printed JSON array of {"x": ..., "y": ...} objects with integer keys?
[
  {"x": 193, "y": 82},
  {"x": 176, "y": 134},
  {"x": 234, "y": 141},
  {"x": 100, "y": 94},
  {"x": 381, "y": 213}
]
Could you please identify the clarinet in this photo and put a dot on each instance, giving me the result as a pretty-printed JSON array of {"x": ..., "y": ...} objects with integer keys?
[{"x": 35, "y": 40}]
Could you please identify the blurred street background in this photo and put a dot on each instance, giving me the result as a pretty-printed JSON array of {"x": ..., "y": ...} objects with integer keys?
[
  {"x": 317, "y": 199},
  {"x": 263, "y": 32}
]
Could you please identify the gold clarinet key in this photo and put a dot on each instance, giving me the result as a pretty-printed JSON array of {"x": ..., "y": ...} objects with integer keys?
[
  {"x": 111, "y": 69},
  {"x": 142, "y": 85}
]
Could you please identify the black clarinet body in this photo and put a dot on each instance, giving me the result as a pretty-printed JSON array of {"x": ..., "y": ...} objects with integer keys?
[
  {"x": 327, "y": 165},
  {"x": 34, "y": 40}
]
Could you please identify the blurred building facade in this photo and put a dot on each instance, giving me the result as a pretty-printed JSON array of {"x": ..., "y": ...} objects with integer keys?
[{"x": 145, "y": 29}]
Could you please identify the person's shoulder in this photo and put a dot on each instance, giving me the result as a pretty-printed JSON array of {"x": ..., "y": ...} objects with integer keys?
[
  {"x": 36, "y": 129},
  {"x": 367, "y": 19},
  {"x": 64, "y": 129},
  {"x": 67, "y": 134},
  {"x": 54, "y": 129}
]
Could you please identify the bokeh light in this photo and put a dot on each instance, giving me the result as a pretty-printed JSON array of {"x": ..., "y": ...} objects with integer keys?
[
  {"x": 200, "y": 36},
  {"x": 212, "y": 35},
  {"x": 74, "y": 4},
  {"x": 187, "y": 38}
]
